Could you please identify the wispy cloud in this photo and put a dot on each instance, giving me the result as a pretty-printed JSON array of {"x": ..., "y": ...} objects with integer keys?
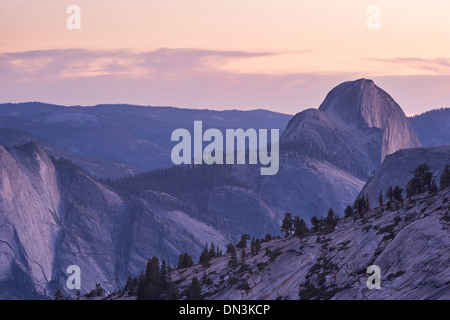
[
  {"x": 67, "y": 63},
  {"x": 438, "y": 66}
]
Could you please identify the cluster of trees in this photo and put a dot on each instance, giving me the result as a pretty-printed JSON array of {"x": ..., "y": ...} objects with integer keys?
[
  {"x": 97, "y": 292},
  {"x": 255, "y": 248},
  {"x": 185, "y": 261},
  {"x": 191, "y": 183},
  {"x": 59, "y": 295},
  {"x": 393, "y": 194},
  {"x": 361, "y": 205},
  {"x": 422, "y": 181},
  {"x": 297, "y": 226},
  {"x": 325, "y": 225},
  {"x": 155, "y": 284},
  {"x": 207, "y": 255},
  {"x": 231, "y": 250},
  {"x": 67, "y": 163},
  {"x": 294, "y": 226}
]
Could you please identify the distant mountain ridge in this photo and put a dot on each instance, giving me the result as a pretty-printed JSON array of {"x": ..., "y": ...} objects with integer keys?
[
  {"x": 10, "y": 137},
  {"x": 432, "y": 127},
  {"x": 136, "y": 136}
]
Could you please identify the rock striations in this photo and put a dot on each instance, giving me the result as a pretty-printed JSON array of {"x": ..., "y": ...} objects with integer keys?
[
  {"x": 53, "y": 215},
  {"x": 409, "y": 243}
]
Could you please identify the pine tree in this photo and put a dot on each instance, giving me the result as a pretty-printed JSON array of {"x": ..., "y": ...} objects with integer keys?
[
  {"x": 185, "y": 261},
  {"x": 301, "y": 230},
  {"x": 321, "y": 224},
  {"x": 390, "y": 194},
  {"x": 128, "y": 284},
  {"x": 389, "y": 205},
  {"x": 164, "y": 275},
  {"x": 420, "y": 182},
  {"x": 194, "y": 291},
  {"x": 141, "y": 287},
  {"x": 257, "y": 246},
  {"x": 252, "y": 247},
  {"x": 59, "y": 295},
  {"x": 204, "y": 256},
  {"x": 231, "y": 249},
  {"x": 360, "y": 205},
  {"x": 243, "y": 255},
  {"x": 243, "y": 242},
  {"x": 380, "y": 198},
  {"x": 171, "y": 292},
  {"x": 397, "y": 194},
  {"x": 316, "y": 224},
  {"x": 367, "y": 203},
  {"x": 99, "y": 292},
  {"x": 331, "y": 220},
  {"x": 348, "y": 211},
  {"x": 212, "y": 252},
  {"x": 286, "y": 225},
  {"x": 152, "y": 280}
]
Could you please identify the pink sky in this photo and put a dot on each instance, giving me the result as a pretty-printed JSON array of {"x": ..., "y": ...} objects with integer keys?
[{"x": 279, "y": 55}]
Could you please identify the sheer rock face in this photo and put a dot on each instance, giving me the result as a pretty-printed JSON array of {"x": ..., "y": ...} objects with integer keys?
[
  {"x": 355, "y": 128},
  {"x": 54, "y": 216},
  {"x": 29, "y": 216},
  {"x": 361, "y": 104}
]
